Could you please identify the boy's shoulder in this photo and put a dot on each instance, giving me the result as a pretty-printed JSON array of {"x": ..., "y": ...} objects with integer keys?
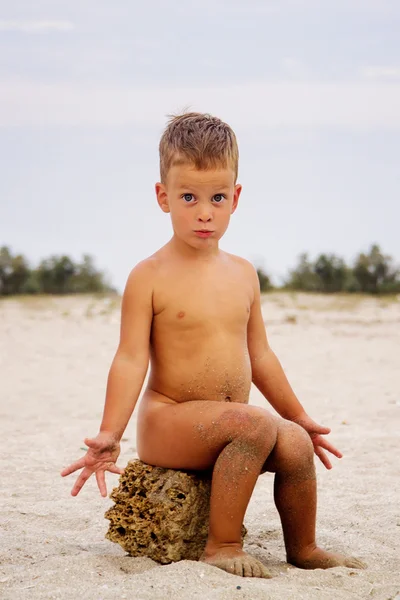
[
  {"x": 151, "y": 263},
  {"x": 147, "y": 269},
  {"x": 243, "y": 263},
  {"x": 142, "y": 274}
]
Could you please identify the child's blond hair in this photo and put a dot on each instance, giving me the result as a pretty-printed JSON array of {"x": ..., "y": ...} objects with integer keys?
[{"x": 198, "y": 139}]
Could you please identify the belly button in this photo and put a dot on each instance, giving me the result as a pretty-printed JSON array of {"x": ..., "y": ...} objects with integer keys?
[{"x": 227, "y": 398}]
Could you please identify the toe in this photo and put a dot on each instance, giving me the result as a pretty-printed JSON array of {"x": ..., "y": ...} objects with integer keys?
[
  {"x": 256, "y": 569},
  {"x": 264, "y": 572},
  {"x": 238, "y": 570},
  {"x": 228, "y": 566},
  {"x": 225, "y": 565},
  {"x": 355, "y": 563},
  {"x": 247, "y": 569}
]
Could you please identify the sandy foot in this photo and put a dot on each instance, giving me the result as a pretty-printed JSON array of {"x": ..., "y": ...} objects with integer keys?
[
  {"x": 237, "y": 562},
  {"x": 320, "y": 559}
]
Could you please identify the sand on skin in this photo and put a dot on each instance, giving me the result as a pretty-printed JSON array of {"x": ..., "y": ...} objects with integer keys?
[{"x": 342, "y": 357}]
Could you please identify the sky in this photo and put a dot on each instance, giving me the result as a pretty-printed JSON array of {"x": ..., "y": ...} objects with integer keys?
[{"x": 311, "y": 88}]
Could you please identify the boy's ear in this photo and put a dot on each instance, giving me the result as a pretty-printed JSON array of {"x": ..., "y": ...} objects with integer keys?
[
  {"x": 236, "y": 194},
  {"x": 162, "y": 197}
]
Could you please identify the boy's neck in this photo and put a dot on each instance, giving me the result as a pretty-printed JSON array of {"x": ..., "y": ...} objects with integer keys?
[{"x": 186, "y": 251}]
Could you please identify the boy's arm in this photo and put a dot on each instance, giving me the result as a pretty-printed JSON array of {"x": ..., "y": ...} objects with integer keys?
[
  {"x": 267, "y": 372},
  {"x": 269, "y": 377},
  {"x": 130, "y": 364},
  {"x": 125, "y": 380}
]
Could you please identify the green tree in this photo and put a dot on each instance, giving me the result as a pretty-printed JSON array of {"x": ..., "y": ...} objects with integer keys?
[
  {"x": 303, "y": 277},
  {"x": 331, "y": 272},
  {"x": 5, "y": 269},
  {"x": 374, "y": 272},
  {"x": 265, "y": 282},
  {"x": 14, "y": 272},
  {"x": 87, "y": 278},
  {"x": 55, "y": 274},
  {"x": 19, "y": 275},
  {"x": 32, "y": 284}
]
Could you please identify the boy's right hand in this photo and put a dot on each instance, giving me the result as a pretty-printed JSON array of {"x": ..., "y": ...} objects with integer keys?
[{"x": 102, "y": 454}]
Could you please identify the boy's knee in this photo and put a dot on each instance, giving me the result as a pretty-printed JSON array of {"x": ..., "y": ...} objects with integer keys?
[
  {"x": 263, "y": 432},
  {"x": 295, "y": 447},
  {"x": 255, "y": 426}
]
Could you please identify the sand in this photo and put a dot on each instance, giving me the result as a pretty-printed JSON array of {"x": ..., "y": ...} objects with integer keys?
[{"x": 342, "y": 355}]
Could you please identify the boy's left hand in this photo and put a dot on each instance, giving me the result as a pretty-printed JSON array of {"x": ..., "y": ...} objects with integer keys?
[{"x": 320, "y": 444}]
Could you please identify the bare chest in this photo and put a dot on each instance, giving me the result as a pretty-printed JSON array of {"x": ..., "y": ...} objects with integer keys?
[{"x": 193, "y": 301}]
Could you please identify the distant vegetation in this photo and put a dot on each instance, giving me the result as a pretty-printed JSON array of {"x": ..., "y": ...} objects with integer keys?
[
  {"x": 54, "y": 275},
  {"x": 371, "y": 273}
]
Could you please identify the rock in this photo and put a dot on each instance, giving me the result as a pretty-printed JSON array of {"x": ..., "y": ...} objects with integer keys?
[{"x": 161, "y": 513}]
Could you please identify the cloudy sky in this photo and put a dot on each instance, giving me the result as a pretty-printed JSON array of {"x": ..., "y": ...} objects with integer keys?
[{"x": 312, "y": 89}]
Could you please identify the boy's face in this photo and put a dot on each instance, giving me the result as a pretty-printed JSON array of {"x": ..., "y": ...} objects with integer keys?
[{"x": 200, "y": 203}]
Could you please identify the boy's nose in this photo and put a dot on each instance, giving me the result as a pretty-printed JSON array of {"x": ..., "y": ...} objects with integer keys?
[{"x": 205, "y": 217}]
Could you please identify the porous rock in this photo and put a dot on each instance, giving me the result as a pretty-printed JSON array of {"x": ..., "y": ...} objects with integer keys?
[{"x": 160, "y": 513}]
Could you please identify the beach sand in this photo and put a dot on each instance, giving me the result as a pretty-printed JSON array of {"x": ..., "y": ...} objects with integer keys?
[{"x": 342, "y": 356}]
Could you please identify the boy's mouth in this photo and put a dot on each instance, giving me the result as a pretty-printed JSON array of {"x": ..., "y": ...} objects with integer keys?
[{"x": 203, "y": 233}]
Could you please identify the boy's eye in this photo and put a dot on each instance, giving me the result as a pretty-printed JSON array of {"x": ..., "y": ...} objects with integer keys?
[
  {"x": 218, "y": 198},
  {"x": 187, "y": 197}
]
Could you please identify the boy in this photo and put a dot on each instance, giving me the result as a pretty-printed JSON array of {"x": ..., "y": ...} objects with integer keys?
[{"x": 194, "y": 311}]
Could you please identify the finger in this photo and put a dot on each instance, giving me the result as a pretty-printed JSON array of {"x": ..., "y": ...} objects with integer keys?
[
  {"x": 320, "y": 429},
  {"x": 116, "y": 470},
  {"x": 80, "y": 482},
  {"x": 323, "y": 458},
  {"x": 328, "y": 446},
  {"x": 92, "y": 443},
  {"x": 101, "y": 483},
  {"x": 72, "y": 468}
]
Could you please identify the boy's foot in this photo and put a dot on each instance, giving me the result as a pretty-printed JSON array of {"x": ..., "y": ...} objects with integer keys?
[
  {"x": 320, "y": 559},
  {"x": 233, "y": 560}
]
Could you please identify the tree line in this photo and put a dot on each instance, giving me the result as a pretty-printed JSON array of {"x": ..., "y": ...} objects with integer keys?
[
  {"x": 371, "y": 273},
  {"x": 53, "y": 275}
]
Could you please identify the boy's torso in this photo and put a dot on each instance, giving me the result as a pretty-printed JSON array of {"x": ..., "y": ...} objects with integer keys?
[{"x": 199, "y": 330}]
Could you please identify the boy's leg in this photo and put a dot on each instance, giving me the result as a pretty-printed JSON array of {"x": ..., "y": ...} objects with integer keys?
[
  {"x": 234, "y": 476},
  {"x": 295, "y": 494},
  {"x": 234, "y": 438}
]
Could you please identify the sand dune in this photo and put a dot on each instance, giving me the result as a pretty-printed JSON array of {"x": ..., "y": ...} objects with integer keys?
[{"x": 342, "y": 357}]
